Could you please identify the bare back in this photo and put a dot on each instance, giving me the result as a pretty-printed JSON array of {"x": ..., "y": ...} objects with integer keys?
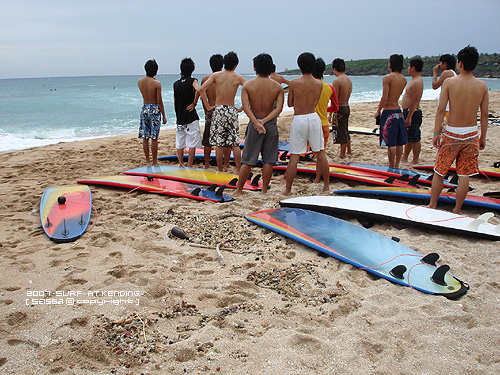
[
  {"x": 466, "y": 94},
  {"x": 226, "y": 86},
  {"x": 263, "y": 92},
  {"x": 394, "y": 83},
  {"x": 304, "y": 94},
  {"x": 150, "y": 89},
  {"x": 343, "y": 87}
]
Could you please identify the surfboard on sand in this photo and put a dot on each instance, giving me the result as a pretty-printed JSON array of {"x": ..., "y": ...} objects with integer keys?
[
  {"x": 386, "y": 211},
  {"x": 65, "y": 212},
  {"x": 363, "y": 130},
  {"x": 421, "y": 195},
  {"x": 161, "y": 186},
  {"x": 421, "y": 178},
  {"x": 196, "y": 176},
  {"x": 492, "y": 194},
  {"x": 493, "y": 171},
  {"x": 363, "y": 248},
  {"x": 371, "y": 178}
]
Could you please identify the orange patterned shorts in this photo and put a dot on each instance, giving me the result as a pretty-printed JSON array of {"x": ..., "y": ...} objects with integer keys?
[{"x": 462, "y": 148}]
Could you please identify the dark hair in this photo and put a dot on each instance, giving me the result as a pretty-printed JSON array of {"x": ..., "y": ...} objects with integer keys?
[
  {"x": 231, "y": 60},
  {"x": 396, "y": 62},
  {"x": 319, "y": 68},
  {"x": 468, "y": 56},
  {"x": 151, "y": 68},
  {"x": 274, "y": 69},
  {"x": 187, "y": 67},
  {"x": 305, "y": 61},
  {"x": 263, "y": 64},
  {"x": 216, "y": 62},
  {"x": 339, "y": 65},
  {"x": 449, "y": 60},
  {"x": 417, "y": 63}
]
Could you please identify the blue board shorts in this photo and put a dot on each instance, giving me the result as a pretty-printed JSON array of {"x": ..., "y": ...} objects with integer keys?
[
  {"x": 392, "y": 128},
  {"x": 150, "y": 121}
]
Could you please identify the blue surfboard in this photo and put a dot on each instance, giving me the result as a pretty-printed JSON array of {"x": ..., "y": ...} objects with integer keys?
[{"x": 363, "y": 249}]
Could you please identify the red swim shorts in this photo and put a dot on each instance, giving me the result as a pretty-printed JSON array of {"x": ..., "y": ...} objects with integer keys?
[{"x": 462, "y": 148}]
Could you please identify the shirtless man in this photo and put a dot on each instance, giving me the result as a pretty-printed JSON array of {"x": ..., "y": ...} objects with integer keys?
[
  {"x": 152, "y": 111},
  {"x": 343, "y": 86},
  {"x": 465, "y": 94},
  {"x": 224, "y": 131},
  {"x": 306, "y": 126},
  {"x": 411, "y": 110},
  {"x": 216, "y": 63},
  {"x": 392, "y": 123},
  {"x": 447, "y": 64},
  {"x": 279, "y": 78},
  {"x": 262, "y": 100}
]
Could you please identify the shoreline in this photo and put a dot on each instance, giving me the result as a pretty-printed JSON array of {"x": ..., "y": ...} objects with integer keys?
[{"x": 262, "y": 304}]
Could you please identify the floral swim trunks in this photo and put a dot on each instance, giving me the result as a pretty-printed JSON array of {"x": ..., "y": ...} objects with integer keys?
[
  {"x": 225, "y": 127},
  {"x": 150, "y": 121},
  {"x": 463, "y": 148}
]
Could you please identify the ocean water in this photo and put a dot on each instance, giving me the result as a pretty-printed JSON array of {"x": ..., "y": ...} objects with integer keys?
[{"x": 40, "y": 111}]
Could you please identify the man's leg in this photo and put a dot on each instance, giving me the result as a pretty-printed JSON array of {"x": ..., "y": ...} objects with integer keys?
[
  {"x": 237, "y": 157},
  {"x": 436, "y": 189},
  {"x": 242, "y": 178},
  {"x": 145, "y": 147},
  {"x": 180, "y": 156},
  {"x": 267, "y": 173},
  {"x": 191, "y": 154},
  {"x": 206, "y": 152},
  {"x": 323, "y": 169},
  {"x": 154, "y": 151},
  {"x": 462, "y": 190},
  {"x": 290, "y": 173}
]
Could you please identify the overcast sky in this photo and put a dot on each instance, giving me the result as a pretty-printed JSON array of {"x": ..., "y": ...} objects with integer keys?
[{"x": 48, "y": 38}]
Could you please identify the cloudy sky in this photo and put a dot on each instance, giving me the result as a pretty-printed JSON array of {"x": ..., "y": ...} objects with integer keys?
[{"x": 48, "y": 38}]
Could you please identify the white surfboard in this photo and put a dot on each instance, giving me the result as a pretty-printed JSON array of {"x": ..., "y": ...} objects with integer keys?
[{"x": 383, "y": 210}]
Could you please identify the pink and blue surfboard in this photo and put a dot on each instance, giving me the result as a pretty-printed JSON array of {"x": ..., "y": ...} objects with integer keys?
[{"x": 363, "y": 248}]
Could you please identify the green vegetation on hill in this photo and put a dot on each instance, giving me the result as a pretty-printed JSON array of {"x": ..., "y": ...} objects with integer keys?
[{"x": 488, "y": 66}]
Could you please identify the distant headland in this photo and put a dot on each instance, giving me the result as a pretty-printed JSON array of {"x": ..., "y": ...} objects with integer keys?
[{"x": 488, "y": 66}]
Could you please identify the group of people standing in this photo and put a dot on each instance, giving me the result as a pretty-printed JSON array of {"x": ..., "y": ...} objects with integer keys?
[{"x": 317, "y": 105}]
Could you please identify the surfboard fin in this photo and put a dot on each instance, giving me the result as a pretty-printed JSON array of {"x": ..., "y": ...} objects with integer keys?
[
  {"x": 390, "y": 180},
  {"x": 431, "y": 259},
  {"x": 438, "y": 275},
  {"x": 196, "y": 192},
  {"x": 150, "y": 178},
  {"x": 483, "y": 219},
  {"x": 404, "y": 177},
  {"x": 48, "y": 224},
  {"x": 398, "y": 271},
  {"x": 395, "y": 239},
  {"x": 212, "y": 187},
  {"x": 250, "y": 176},
  {"x": 255, "y": 181},
  {"x": 413, "y": 180},
  {"x": 366, "y": 223},
  {"x": 233, "y": 182},
  {"x": 65, "y": 231},
  {"x": 220, "y": 191},
  {"x": 496, "y": 164},
  {"x": 283, "y": 156}
]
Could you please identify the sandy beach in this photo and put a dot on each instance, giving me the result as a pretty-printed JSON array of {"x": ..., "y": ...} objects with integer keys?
[{"x": 261, "y": 304}]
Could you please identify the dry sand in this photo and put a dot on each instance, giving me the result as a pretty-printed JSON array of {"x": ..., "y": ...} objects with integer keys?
[{"x": 267, "y": 306}]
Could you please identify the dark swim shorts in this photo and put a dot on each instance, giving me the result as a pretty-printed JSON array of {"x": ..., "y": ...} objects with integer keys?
[
  {"x": 392, "y": 128},
  {"x": 342, "y": 127},
  {"x": 266, "y": 144},
  {"x": 414, "y": 129}
]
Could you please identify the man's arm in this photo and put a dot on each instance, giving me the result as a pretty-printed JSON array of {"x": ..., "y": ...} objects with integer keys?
[
  {"x": 437, "y": 83},
  {"x": 484, "y": 119},
  {"x": 290, "y": 95},
  {"x": 385, "y": 94},
  {"x": 334, "y": 107},
  {"x": 203, "y": 92},
  {"x": 440, "y": 112},
  {"x": 160, "y": 103},
  {"x": 196, "y": 96},
  {"x": 280, "y": 99}
]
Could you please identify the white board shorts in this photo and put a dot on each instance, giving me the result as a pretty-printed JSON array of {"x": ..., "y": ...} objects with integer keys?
[
  {"x": 188, "y": 135},
  {"x": 306, "y": 128}
]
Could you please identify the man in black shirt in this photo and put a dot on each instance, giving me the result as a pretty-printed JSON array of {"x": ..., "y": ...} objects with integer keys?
[{"x": 185, "y": 98}]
